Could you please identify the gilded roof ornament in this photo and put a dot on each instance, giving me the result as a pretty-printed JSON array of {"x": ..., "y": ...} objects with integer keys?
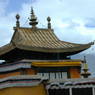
[
  {"x": 33, "y": 19},
  {"x": 85, "y": 72},
  {"x": 49, "y": 24},
  {"x": 17, "y": 20}
]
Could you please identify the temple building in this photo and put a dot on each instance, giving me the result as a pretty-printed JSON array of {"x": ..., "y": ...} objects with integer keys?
[{"x": 36, "y": 61}]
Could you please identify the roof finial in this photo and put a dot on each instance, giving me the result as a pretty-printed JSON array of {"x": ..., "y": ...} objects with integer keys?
[
  {"x": 17, "y": 22},
  {"x": 49, "y": 24},
  {"x": 33, "y": 19},
  {"x": 85, "y": 72}
]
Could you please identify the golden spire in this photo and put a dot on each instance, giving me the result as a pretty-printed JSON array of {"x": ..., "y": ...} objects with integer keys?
[
  {"x": 33, "y": 19},
  {"x": 85, "y": 72},
  {"x": 49, "y": 24},
  {"x": 17, "y": 22}
]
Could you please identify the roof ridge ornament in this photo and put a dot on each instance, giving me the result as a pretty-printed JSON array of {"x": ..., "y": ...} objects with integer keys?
[
  {"x": 17, "y": 22},
  {"x": 33, "y": 19},
  {"x": 49, "y": 23}
]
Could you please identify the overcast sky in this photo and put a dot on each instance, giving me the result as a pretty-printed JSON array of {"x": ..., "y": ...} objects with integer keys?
[{"x": 72, "y": 20}]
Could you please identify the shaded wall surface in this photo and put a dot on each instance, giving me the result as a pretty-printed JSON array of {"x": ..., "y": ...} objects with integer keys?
[{"x": 35, "y": 90}]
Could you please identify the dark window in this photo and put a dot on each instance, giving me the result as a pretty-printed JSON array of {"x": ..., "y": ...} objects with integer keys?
[
  {"x": 82, "y": 91},
  {"x": 58, "y": 92}
]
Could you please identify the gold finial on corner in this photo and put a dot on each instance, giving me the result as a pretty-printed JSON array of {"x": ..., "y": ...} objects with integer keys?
[
  {"x": 49, "y": 24},
  {"x": 17, "y": 22},
  {"x": 92, "y": 43},
  {"x": 33, "y": 19}
]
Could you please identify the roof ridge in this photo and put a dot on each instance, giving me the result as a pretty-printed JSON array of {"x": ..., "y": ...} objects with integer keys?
[{"x": 35, "y": 29}]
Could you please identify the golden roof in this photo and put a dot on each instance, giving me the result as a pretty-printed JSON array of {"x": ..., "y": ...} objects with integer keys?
[{"x": 42, "y": 40}]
